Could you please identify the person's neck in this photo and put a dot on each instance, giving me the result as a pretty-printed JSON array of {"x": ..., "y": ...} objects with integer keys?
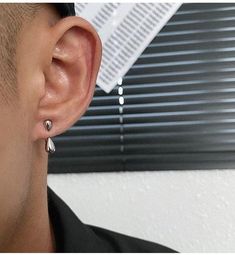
[{"x": 33, "y": 232}]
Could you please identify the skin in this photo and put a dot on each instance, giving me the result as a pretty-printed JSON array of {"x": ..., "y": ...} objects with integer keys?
[{"x": 57, "y": 64}]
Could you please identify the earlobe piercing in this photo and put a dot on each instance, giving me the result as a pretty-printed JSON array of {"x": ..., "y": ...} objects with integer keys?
[{"x": 49, "y": 145}]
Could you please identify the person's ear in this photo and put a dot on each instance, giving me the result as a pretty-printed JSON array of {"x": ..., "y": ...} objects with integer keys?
[{"x": 70, "y": 77}]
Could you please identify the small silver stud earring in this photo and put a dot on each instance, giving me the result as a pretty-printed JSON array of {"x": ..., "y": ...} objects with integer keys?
[{"x": 49, "y": 145}]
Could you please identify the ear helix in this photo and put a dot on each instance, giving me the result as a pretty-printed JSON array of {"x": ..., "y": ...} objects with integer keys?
[{"x": 49, "y": 144}]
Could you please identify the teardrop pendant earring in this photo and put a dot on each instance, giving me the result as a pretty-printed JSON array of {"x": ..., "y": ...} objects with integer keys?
[{"x": 49, "y": 145}]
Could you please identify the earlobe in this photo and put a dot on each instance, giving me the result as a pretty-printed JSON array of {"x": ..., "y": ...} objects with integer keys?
[{"x": 71, "y": 76}]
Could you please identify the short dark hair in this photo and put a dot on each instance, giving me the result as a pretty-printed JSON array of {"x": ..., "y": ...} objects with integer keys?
[{"x": 12, "y": 15}]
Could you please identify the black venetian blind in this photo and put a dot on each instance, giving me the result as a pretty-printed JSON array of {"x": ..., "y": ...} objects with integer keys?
[{"x": 175, "y": 108}]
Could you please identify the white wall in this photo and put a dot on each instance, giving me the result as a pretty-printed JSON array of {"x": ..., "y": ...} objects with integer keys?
[{"x": 190, "y": 211}]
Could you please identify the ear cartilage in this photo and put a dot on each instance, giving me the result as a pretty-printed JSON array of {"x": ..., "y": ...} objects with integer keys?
[{"x": 49, "y": 144}]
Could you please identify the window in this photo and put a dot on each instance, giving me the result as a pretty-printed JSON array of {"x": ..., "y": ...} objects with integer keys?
[{"x": 174, "y": 109}]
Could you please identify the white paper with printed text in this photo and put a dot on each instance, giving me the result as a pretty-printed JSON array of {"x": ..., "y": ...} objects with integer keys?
[{"x": 125, "y": 29}]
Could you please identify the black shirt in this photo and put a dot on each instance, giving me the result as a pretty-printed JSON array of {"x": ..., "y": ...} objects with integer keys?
[{"x": 71, "y": 235}]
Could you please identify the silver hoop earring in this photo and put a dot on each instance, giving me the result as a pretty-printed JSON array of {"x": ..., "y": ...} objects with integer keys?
[{"x": 49, "y": 144}]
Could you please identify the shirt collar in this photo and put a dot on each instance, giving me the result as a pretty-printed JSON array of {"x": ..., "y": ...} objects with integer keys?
[{"x": 71, "y": 235}]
